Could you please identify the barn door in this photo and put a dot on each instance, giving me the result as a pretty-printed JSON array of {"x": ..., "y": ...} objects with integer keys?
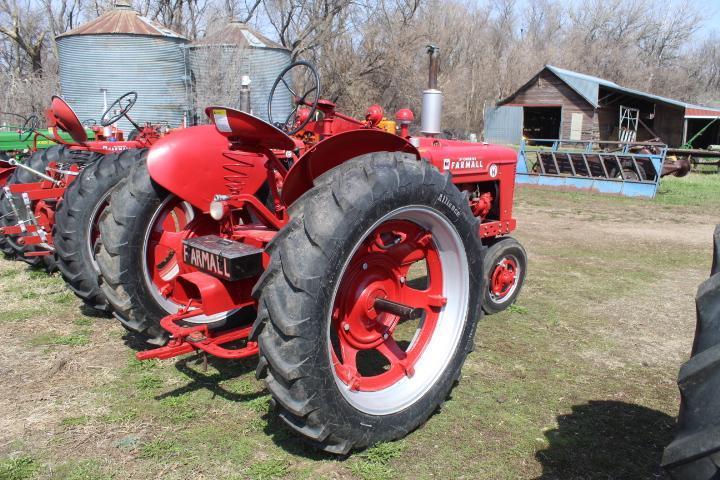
[{"x": 628, "y": 124}]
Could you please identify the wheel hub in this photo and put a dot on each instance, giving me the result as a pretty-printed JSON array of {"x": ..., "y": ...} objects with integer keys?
[
  {"x": 504, "y": 277},
  {"x": 362, "y": 326},
  {"x": 375, "y": 299}
]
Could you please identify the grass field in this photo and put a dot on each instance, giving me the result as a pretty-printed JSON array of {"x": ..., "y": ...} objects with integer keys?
[{"x": 577, "y": 381}]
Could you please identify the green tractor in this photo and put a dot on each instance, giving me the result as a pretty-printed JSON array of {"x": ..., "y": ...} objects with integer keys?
[{"x": 18, "y": 141}]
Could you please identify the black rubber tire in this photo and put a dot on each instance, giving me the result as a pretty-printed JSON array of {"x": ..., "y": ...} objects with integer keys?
[
  {"x": 73, "y": 219},
  {"x": 627, "y": 172},
  {"x": 122, "y": 227},
  {"x": 694, "y": 454},
  {"x": 496, "y": 251},
  {"x": 39, "y": 161},
  {"x": 295, "y": 296},
  {"x": 5, "y": 247}
]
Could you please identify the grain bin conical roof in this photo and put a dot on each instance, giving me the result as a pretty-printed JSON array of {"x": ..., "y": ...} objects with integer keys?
[
  {"x": 122, "y": 20},
  {"x": 239, "y": 34}
]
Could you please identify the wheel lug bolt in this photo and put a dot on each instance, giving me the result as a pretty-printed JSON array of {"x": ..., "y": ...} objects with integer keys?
[
  {"x": 365, "y": 266},
  {"x": 385, "y": 336},
  {"x": 346, "y": 327}
]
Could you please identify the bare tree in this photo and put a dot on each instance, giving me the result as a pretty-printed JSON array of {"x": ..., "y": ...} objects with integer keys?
[
  {"x": 24, "y": 26},
  {"x": 304, "y": 25},
  {"x": 372, "y": 51}
]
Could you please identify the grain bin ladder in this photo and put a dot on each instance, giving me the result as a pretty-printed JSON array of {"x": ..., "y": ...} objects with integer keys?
[{"x": 630, "y": 169}]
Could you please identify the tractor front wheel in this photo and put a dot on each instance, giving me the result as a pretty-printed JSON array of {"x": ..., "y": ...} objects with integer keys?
[
  {"x": 370, "y": 302},
  {"x": 505, "y": 267}
]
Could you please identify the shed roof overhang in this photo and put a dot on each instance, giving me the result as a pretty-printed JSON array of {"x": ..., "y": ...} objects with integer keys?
[
  {"x": 701, "y": 113},
  {"x": 588, "y": 87}
]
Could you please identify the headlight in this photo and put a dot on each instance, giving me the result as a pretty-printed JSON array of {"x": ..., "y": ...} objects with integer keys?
[{"x": 218, "y": 209}]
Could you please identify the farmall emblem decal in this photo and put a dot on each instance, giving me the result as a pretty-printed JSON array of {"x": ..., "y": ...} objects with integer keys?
[
  {"x": 463, "y": 163},
  {"x": 493, "y": 170}
]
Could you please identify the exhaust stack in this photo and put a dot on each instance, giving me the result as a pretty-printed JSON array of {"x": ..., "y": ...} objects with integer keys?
[
  {"x": 432, "y": 97},
  {"x": 245, "y": 94}
]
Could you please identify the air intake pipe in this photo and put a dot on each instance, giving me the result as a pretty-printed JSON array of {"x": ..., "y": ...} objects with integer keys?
[{"x": 432, "y": 97}]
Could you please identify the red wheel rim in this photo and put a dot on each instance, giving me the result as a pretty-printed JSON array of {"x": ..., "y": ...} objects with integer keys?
[
  {"x": 504, "y": 278},
  {"x": 174, "y": 221},
  {"x": 379, "y": 269}
]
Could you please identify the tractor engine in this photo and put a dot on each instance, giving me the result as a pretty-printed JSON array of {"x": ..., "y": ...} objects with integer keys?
[{"x": 486, "y": 172}]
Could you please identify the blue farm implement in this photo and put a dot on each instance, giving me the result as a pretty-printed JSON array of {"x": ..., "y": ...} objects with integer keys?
[{"x": 630, "y": 169}]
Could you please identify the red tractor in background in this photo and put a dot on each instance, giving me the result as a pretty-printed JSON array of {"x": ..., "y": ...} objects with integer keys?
[
  {"x": 29, "y": 207},
  {"x": 351, "y": 259}
]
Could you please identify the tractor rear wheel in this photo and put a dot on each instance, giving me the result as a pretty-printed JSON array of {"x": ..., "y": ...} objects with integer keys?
[
  {"x": 370, "y": 302},
  {"x": 76, "y": 232},
  {"x": 505, "y": 268},
  {"x": 140, "y": 254},
  {"x": 38, "y": 161}
]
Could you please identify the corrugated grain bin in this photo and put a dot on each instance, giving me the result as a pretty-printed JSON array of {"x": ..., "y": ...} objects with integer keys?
[
  {"x": 121, "y": 51},
  {"x": 220, "y": 60}
]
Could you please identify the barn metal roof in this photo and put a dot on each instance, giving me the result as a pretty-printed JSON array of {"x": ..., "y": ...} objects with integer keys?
[
  {"x": 122, "y": 20},
  {"x": 588, "y": 87},
  {"x": 238, "y": 34}
]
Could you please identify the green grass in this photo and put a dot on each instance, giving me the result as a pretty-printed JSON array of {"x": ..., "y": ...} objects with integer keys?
[
  {"x": 79, "y": 338},
  {"x": 700, "y": 190},
  {"x": 20, "y": 468},
  {"x": 75, "y": 421},
  {"x": 268, "y": 469},
  {"x": 373, "y": 463},
  {"x": 159, "y": 449},
  {"x": 82, "y": 470},
  {"x": 149, "y": 382}
]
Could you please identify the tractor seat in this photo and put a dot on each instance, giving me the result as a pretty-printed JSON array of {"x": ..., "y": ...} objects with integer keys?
[
  {"x": 248, "y": 130},
  {"x": 62, "y": 116}
]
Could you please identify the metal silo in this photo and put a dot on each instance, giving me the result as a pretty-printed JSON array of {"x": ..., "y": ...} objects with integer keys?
[
  {"x": 220, "y": 60},
  {"x": 118, "y": 52}
]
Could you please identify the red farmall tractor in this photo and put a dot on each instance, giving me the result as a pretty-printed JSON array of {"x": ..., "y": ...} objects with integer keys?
[
  {"x": 350, "y": 259},
  {"x": 32, "y": 203}
]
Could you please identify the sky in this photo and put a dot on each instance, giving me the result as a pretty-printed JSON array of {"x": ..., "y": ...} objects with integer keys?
[{"x": 711, "y": 10}]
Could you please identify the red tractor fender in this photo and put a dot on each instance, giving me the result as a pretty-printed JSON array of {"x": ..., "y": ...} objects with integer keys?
[
  {"x": 196, "y": 164},
  {"x": 334, "y": 151}
]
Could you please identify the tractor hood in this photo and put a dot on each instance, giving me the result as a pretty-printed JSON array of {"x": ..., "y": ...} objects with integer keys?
[{"x": 461, "y": 155}]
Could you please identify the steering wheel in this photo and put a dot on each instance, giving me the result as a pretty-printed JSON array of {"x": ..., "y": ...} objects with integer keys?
[
  {"x": 304, "y": 78},
  {"x": 28, "y": 128},
  {"x": 129, "y": 98}
]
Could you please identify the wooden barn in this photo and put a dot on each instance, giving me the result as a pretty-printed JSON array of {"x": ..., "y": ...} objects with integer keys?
[{"x": 561, "y": 104}]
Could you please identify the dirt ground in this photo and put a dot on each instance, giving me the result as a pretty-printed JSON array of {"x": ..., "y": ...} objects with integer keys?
[{"x": 576, "y": 381}]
